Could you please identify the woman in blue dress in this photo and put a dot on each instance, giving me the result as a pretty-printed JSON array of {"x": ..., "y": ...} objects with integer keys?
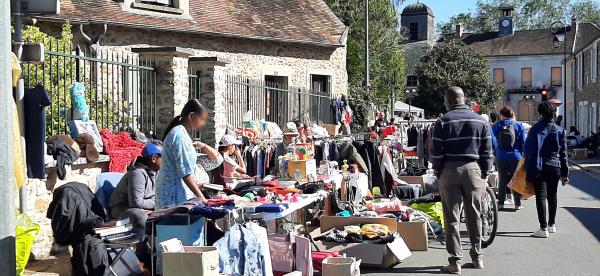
[{"x": 176, "y": 176}]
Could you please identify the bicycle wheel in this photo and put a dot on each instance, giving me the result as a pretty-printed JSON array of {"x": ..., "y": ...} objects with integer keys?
[{"x": 489, "y": 218}]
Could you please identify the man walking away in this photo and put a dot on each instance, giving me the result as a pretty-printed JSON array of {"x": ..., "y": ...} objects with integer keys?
[{"x": 462, "y": 157}]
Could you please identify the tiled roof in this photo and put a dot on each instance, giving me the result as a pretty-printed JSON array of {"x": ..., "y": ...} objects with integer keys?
[
  {"x": 295, "y": 21},
  {"x": 527, "y": 42},
  {"x": 586, "y": 34}
]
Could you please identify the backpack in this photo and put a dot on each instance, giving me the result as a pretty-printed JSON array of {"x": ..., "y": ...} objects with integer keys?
[{"x": 507, "y": 137}]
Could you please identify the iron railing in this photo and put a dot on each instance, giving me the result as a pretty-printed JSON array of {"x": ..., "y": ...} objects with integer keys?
[
  {"x": 273, "y": 101},
  {"x": 120, "y": 87}
]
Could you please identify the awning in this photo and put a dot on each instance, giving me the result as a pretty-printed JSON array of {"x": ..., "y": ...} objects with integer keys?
[{"x": 401, "y": 106}]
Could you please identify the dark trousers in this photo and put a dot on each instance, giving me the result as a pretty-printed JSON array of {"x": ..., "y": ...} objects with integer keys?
[
  {"x": 546, "y": 187},
  {"x": 506, "y": 170}
]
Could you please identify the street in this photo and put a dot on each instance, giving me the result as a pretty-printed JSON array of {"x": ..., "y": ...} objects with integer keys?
[{"x": 572, "y": 251}]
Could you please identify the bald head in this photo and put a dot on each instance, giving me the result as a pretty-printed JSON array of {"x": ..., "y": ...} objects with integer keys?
[{"x": 454, "y": 96}]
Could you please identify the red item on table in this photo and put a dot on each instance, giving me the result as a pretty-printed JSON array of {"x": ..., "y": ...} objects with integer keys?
[
  {"x": 390, "y": 130},
  {"x": 121, "y": 148},
  {"x": 272, "y": 183},
  {"x": 318, "y": 258}
]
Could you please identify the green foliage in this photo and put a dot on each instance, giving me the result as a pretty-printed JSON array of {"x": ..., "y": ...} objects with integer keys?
[
  {"x": 528, "y": 14},
  {"x": 56, "y": 80},
  {"x": 451, "y": 64},
  {"x": 386, "y": 59}
]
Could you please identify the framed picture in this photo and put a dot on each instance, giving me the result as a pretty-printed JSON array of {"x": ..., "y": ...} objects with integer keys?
[{"x": 78, "y": 127}]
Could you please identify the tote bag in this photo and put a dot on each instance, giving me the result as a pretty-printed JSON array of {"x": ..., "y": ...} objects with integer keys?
[{"x": 519, "y": 182}]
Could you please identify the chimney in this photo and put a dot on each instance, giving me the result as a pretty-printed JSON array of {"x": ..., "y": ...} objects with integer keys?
[{"x": 459, "y": 30}]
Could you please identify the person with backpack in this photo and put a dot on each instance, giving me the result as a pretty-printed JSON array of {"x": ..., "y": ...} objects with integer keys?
[
  {"x": 545, "y": 165},
  {"x": 510, "y": 138}
]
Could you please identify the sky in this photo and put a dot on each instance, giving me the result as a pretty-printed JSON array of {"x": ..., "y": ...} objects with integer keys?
[{"x": 444, "y": 9}]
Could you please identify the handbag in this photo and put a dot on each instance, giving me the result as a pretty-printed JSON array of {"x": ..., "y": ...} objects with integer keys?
[{"x": 519, "y": 182}]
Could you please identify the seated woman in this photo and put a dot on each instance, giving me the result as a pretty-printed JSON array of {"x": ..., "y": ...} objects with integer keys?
[
  {"x": 232, "y": 169},
  {"x": 133, "y": 197}
]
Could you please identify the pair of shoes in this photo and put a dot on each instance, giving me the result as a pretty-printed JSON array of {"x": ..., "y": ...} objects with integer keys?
[
  {"x": 541, "y": 233},
  {"x": 552, "y": 228},
  {"x": 517, "y": 208},
  {"x": 478, "y": 264},
  {"x": 452, "y": 268}
]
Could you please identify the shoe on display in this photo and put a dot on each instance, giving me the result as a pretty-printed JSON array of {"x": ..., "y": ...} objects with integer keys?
[
  {"x": 541, "y": 233},
  {"x": 452, "y": 268},
  {"x": 552, "y": 229},
  {"x": 478, "y": 264}
]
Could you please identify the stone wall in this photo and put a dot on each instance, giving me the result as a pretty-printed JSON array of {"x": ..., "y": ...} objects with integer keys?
[{"x": 39, "y": 194}]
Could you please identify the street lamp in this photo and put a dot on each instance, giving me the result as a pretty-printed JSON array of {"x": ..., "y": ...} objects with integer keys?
[{"x": 559, "y": 30}]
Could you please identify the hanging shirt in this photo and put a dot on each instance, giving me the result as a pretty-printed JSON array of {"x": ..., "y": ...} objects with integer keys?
[
  {"x": 36, "y": 99},
  {"x": 178, "y": 161}
]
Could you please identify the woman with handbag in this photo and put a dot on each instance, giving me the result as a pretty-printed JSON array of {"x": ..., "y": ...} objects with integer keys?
[{"x": 546, "y": 164}]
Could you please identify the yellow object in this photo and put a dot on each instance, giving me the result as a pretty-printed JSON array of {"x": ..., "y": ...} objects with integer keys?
[
  {"x": 18, "y": 154},
  {"x": 345, "y": 166},
  {"x": 519, "y": 182},
  {"x": 25, "y": 231},
  {"x": 299, "y": 170},
  {"x": 372, "y": 231},
  {"x": 16, "y": 69}
]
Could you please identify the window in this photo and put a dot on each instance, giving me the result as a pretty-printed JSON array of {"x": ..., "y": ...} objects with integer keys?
[
  {"x": 412, "y": 81},
  {"x": 499, "y": 75},
  {"x": 594, "y": 62},
  {"x": 161, "y": 6},
  {"x": 413, "y": 31},
  {"x": 526, "y": 77},
  {"x": 556, "y": 73},
  {"x": 157, "y": 2},
  {"x": 579, "y": 73},
  {"x": 320, "y": 84}
]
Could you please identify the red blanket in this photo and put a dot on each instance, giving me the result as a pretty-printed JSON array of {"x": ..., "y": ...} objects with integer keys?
[{"x": 121, "y": 148}]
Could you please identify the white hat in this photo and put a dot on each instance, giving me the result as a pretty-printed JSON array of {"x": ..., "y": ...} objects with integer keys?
[
  {"x": 229, "y": 140},
  {"x": 290, "y": 129}
]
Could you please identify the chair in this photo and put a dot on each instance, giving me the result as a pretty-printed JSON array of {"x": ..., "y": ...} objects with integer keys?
[{"x": 117, "y": 249}]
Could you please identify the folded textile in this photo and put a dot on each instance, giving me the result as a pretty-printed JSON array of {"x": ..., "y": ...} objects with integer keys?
[
  {"x": 271, "y": 208},
  {"x": 385, "y": 207},
  {"x": 210, "y": 212}
]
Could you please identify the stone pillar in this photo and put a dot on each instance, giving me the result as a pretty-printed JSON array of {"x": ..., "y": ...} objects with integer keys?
[
  {"x": 172, "y": 83},
  {"x": 212, "y": 78}
]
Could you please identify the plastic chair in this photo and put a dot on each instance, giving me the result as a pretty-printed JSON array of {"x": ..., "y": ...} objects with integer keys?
[{"x": 105, "y": 185}]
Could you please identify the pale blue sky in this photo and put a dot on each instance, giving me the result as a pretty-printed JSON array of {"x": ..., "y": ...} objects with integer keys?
[{"x": 444, "y": 9}]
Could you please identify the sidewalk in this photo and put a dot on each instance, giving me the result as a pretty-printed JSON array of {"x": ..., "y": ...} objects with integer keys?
[{"x": 591, "y": 165}]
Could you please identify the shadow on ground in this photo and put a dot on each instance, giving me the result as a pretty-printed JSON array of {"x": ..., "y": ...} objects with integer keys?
[{"x": 588, "y": 217}]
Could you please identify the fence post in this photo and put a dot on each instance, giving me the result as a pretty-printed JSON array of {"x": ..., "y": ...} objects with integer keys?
[
  {"x": 172, "y": 82},
  {"x": 213, "y": 85}
]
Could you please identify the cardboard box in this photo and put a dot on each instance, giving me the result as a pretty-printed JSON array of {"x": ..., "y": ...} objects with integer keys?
[
  {"x": 331, "y": 129},
  {"x": 374, "y": 255},
  {"x": 301, "y": 169},
  {"x": 336, "y": 266},
  {"x": 414, "y": 234},
  {"x": 414, "y": 180},
  {"x": 194, "y": 261},
  {"x": 579, "y": 154}
]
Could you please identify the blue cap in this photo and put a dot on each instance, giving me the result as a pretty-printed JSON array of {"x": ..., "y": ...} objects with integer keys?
[{"x": 151, "y": 149}]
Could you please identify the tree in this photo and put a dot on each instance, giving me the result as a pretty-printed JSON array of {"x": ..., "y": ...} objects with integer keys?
[
  {"x": 386, "y": 59},
  {"x": 452, "y": 64},
  {"x": 529, "y": 14}
]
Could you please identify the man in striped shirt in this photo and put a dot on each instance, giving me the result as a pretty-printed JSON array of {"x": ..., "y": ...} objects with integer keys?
[{"x": 462, "y": 157}]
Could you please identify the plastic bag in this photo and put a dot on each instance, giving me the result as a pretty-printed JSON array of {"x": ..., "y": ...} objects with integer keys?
[
  {"x": 432, "y": 209},
  {"x": 519, "y": 182},
  {"x": 26, "y": 230}
]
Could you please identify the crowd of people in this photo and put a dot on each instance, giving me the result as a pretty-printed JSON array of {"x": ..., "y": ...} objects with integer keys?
[{"x": 465, "y": 148}]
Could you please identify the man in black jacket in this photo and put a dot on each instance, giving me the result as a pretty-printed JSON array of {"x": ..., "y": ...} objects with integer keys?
[{"x": 462, "y": 157}]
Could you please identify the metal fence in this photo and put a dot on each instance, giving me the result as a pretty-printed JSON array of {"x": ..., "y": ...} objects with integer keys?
[
  {"x": 273, "y": 101},
  {"x": 120, "y": 88}
]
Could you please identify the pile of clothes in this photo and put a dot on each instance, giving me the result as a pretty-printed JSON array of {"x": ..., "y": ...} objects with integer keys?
[
  {"x": 121, "y": 148},
  {"x": 366, "y": 233}
]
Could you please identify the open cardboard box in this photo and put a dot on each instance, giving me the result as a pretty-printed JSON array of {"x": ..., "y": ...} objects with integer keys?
[
  {"x": 414, "y": 180},
  {"x": 375, "y": 255},
  {"x": 414, "y": 234}
]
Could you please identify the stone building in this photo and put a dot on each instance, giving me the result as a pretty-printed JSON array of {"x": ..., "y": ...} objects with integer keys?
[
  {"x": 418, "y": 25},
  {"x": 583, "y": 67},
  {"x": 297, "y": 44}
]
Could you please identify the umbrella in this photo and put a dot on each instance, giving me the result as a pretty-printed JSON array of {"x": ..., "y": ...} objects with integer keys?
[{"x": 555, "y": 101}]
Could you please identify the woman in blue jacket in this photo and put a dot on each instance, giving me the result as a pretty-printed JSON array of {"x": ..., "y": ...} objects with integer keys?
[
  {"x": 546, "y": 164},
  {"x": 510, "y": 138}
]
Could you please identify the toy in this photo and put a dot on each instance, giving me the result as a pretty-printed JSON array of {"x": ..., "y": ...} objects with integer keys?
[{"x": 79, "y": 107}]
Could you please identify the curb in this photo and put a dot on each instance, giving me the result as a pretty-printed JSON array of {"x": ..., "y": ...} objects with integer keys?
[{"x": 592, "y": 171}]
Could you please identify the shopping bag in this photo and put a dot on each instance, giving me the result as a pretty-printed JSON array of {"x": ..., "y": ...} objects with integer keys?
[
  {"x": 26, "y": 230},
  {"x": 519, "y": 182}
]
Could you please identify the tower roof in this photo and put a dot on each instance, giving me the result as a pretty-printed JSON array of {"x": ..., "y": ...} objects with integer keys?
[{"x": 417, "y": 8}]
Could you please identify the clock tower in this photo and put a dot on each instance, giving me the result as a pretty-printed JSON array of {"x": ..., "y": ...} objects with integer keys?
[{"x": 506, "y": 27}]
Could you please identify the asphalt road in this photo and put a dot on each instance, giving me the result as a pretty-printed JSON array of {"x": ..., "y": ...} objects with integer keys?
[{"x": 574, "y": 250}]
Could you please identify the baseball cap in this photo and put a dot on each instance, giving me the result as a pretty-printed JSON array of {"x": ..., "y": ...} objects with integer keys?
[
  {"x": 151, "y": 149},
  {"x": 228, "y": 140}
]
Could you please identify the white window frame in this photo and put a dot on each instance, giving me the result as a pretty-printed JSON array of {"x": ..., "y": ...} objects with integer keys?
[{"x": 594, "y": 62}]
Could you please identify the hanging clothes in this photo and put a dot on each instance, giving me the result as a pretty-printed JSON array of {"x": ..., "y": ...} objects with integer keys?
[
  {"x": 413, "y": 136},
  {"x": 375, "y": 174},
  {"x": 349, "y": 152},
  {"x": 36, "y": 99}
]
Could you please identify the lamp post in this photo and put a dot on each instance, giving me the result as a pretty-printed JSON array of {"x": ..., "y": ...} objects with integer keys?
[
  {"x": 409, "y": 93},
  {"x": 559, "y": 30},
  {"x": 367, "y": 80}
]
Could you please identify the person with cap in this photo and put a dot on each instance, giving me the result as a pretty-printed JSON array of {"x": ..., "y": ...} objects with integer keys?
[
  {"x": 134, "y": 195},
  {"x": 228, "y": 146},
  {"x": 289, "y": 138}
]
